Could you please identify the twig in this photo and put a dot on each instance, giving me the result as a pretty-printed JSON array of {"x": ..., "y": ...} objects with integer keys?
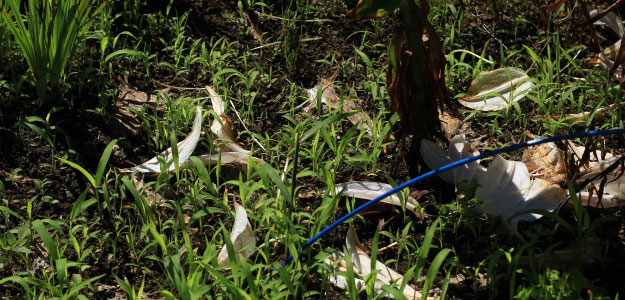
[
  {"x": 604, "y": 12},
  {"x": 391, "y": 245},
  {"x": 469, "y": 52},
  {"x": 279, "y": 42},
  {"x": 243, "y": 123},
  {"x": 286, "y": 166},
  {"x": 303, "y": 21},
  {"x": 176, "y": 87}
]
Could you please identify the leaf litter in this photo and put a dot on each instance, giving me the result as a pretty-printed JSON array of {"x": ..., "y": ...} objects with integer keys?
[
  {"x": 331, "y": 99},
  {"x": 130, "y": 99}
]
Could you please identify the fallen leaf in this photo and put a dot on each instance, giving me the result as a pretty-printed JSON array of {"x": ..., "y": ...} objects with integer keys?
[
  {"x": 545, "y": 161},
  {"x": 242, "y": 237},
  {"x": 370, "y": 190},
  {"x": 449, "y": 124},
  {"x": 361, "y": 264},
  {"x": 579, "y": 117},
  {"x": 127, "y": 99},
  {"x": 330, "y": 98},
  {"x": 510, "y": 83},
  {"x": 223, "y": 127},
  {"x": 185, "y": 149}
]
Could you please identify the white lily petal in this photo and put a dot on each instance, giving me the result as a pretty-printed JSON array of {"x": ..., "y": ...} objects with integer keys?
[
  {"x": 185, "y": 149},
  {"x": 611, "y": 19},
  {"x": 370, "y": 190},
  {"x": 361, "y": 264},
  {"x": 460, "y": 148},
  {"x": 506, "y": 191},
  {"x": 540, "y": 195},
  {"x": 435, "y": 157},
  {"x": 223, "y": 127},
  {"x": 242, "y": 237},
  {"x": 502, "y": 186}
]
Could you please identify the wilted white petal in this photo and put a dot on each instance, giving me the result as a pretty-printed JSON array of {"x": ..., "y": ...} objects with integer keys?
[
  {"x": 510, "y": 83},
  {"x": 501, "y": 186},
  {"x": 185, "y": 149},
  {"x": 216, "y": 101},
  {"x": 314, "y": 91},
  {"x": 460, "y": 148},
  {"x": 611, "y": 19},
  {"x": 361, "y": 264},
  {"x": 540, "y": 195},
  {"x": 612, "y": 50},
  {"x": 242, "y": 237},
  {"x": 223, "y": 127},
  {"x": 226, "y": 158},
  {"x": 435, "y": 157},
  {"x": 507, "y": 190},
  {"x": 370, "y": 190}
]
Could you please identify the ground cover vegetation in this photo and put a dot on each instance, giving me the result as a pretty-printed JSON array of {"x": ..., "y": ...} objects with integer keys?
[{"x": 184, "y": 149}]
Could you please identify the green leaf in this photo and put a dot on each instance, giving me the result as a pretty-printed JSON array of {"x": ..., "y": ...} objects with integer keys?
[
  {"x": 103, "y": 160},
  {"x": 434, "y": 267},
  {"x": 273, "y": 174},
  {"x": 373, "y": 8},
  {"x": 425, "y": 247},
  {"x": 48, "y": 241},
  {"x": 128, "y": 52},
  {"x": 371, "y": 278},
  {"x": 81, "y": 170},
  {"x": 80, "y": 205},
  {"x": 324, "y": 123}
]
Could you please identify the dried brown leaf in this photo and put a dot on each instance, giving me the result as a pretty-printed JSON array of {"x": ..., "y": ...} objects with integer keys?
[{"x": 545, "y": 161}]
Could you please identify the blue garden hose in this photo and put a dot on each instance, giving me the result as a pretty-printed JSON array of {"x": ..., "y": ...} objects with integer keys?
[{"x": 449, "y": 167}]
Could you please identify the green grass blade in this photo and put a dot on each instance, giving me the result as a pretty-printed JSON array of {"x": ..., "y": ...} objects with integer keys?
[
  {"x": 325, "y": 123},
  {"x": 425, "y": 247},
  {"x": 80, "y": 169},
  {"x": 103, "y": 161},
  {"x": 48, "y": 241},
  {"x": 433, "y": 271}
]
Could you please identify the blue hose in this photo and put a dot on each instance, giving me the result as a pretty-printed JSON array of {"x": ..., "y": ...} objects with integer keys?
[{"x": 449, "y": 167}]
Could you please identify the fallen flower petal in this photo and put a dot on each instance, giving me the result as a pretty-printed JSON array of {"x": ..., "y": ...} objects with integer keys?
[
  {"x": 369, "y": 190},
  {"x": 242, "y": 237},
  {"x": 361, "y": 264},
  {"x": 507, "y": 191},
  {"x": 185, "y": 149},
  {"x": 223, "y": 127}
]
